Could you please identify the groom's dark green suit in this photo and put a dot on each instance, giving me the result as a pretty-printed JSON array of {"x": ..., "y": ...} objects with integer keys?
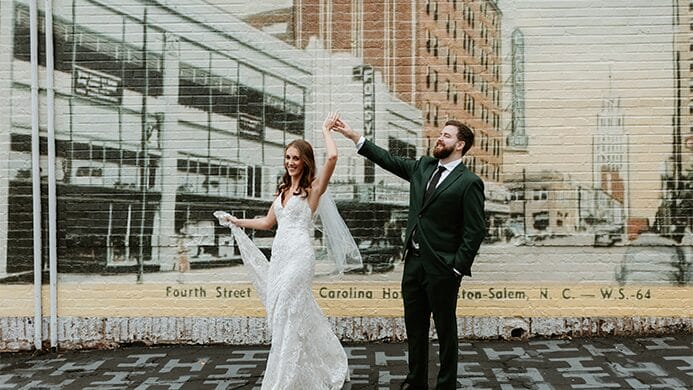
[{"x": 448, "y": 229}]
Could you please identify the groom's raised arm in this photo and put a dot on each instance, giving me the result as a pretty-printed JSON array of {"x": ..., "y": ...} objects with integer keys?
[{"x": 395, "y": 164}]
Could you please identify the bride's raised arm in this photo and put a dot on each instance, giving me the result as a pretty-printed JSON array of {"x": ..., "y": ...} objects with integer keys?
[{"x": 320, "y": 184}]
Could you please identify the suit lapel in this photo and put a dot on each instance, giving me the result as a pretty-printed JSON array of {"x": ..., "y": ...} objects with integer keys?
[{"x": 451, "y": 178}]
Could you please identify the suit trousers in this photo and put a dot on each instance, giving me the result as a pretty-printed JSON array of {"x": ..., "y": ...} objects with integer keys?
[{"x": 428, "y": 287}]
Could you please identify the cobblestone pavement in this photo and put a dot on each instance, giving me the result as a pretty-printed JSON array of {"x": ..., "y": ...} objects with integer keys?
[{"x": 585, "y": 363}]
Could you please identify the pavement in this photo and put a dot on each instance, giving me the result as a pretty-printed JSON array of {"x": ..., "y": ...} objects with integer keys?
[{"x": 664, "y": 362}]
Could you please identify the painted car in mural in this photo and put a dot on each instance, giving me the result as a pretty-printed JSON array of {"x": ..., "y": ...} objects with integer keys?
[{"x": 654, "y": 259}]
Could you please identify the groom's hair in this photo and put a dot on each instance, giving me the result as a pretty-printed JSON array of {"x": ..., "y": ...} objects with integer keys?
[{"x": 464, "y": 133}]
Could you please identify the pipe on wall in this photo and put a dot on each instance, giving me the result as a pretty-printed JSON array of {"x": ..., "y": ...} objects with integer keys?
[
  {"x": 52, "y": 228},
  {"x": 35, "y": 171}
]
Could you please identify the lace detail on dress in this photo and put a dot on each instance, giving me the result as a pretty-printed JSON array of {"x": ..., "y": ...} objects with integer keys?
[{"x": 305, "y": 354}]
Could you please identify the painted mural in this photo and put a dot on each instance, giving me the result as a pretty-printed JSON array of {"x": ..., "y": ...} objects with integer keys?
[{"x": 166, "y": 111}]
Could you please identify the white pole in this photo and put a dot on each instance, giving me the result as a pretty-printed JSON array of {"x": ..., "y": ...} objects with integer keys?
[
  {"x": 109, "y": 249},
  {"x": 35, "y": 171},
  {"x": 127, "y": 234},
  {"x": 50, "y": 121}
]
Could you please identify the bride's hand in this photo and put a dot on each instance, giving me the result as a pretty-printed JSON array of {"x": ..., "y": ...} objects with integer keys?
[
  {"x": 233, "y": 220},
  {"x": 226, "y": 219}
]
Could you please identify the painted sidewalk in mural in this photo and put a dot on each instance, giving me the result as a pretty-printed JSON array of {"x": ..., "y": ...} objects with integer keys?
[{"x": 599, "y": 363}]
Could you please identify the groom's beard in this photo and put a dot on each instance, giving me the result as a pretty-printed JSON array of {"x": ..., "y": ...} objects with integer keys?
[{"x": 440, "y": 151}]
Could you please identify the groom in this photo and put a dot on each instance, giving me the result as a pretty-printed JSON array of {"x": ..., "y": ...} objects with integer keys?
[{"x": 445, "y": 227}]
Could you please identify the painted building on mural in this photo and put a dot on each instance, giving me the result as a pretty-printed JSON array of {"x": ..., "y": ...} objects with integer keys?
[
  {"x": 675, "y": 214},
  {"x": 610, "y": 159},
  {"x": 157, "y": 128},
  {"x": 442, "y": 56}
]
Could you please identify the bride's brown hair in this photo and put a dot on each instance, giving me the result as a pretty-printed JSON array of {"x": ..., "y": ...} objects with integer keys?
[{"x": 305, "y": 153}]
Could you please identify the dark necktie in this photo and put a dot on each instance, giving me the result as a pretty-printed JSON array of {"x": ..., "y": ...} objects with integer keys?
[{"x": 434, "y": 183}]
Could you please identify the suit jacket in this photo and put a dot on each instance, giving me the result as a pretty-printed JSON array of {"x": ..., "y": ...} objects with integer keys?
[{"x": 451, "y": 225}]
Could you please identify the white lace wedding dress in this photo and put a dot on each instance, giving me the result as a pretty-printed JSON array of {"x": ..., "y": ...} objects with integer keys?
[{"x": 305, "y": 354}]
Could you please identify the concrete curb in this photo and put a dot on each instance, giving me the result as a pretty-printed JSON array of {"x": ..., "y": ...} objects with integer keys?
[{"x": 16, "y": 333}]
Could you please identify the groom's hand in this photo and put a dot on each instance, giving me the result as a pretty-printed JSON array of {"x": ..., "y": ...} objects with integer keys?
[{"x": 343, "y": 128}]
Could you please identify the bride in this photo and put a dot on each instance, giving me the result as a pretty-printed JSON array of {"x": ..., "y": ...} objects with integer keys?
[{"x": 305, "y": 353}]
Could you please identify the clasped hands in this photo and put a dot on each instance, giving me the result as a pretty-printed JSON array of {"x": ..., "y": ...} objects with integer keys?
[{"x": 334, "y": 122}]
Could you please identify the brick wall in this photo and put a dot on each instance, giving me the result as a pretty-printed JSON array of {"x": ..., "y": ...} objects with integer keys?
[{"x": 167, "y": 111}]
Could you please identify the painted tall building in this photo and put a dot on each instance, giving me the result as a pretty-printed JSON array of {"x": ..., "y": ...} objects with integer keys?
[
  {"x": 610, "y": 158},
  {"x": 442, "y": 56}
]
